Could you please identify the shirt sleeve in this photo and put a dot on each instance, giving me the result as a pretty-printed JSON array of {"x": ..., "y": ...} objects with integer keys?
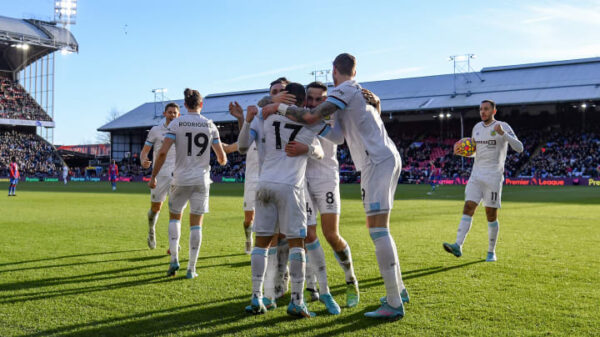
[
  {"x": 150, "y": 140},
  {"x": 172, "y": 130},
  {"x": 214, "y": 133},
  {"x": 340, "y": 96}
]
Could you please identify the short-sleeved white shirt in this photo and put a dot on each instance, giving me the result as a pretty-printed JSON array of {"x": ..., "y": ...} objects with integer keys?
[
  {"x": 361, "y": 125},
  {"x": 277, "y": 166},
  {"x": 491, "y": 148},
  {"x": 155, "y": 139},
  {"x": 194, "y": 135}
]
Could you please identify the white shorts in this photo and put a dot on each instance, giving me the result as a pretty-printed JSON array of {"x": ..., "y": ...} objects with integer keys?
[
  {"x": 325, "y": 195},
  {"x": 378, "y": 185},
  {"x": 197, "y": 195},
  {"x": 163, "y": 186},
  {"x": 250, "y": 195},
  {"x": 311, "y": 212},
  {"x": 488, "y": 189},
  {"x": 280, "y": 208}
]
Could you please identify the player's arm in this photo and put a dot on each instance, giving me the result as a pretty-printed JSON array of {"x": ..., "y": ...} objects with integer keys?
[
  {"x": 314, "y": 150},
  {"x": 333, "y": 134},
  {"x": 144, "y": 154},
  {"x": 162, "y": 156},
  {"x": 281, "y": 97},
  {"x": 509, "y": 136},
  {"x": 230, "y": 148},
  {"x": 302, "y": 115},
  {"x": 217, "y": 146},
  {"x": 247, "y": 135}
]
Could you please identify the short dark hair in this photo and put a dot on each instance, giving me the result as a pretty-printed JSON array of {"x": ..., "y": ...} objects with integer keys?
[
  {"x": 297, "y": 90},
  {"x": 192, "y": 98},
  {"x": 492, "y": 103},
  {"x": 13, "y": 159},
  {"x": 317, "y": 85},
  {"x": 172, "y": 105},
  {"x": 284, "y": 81},
  {"x": 345, "y": 64}
]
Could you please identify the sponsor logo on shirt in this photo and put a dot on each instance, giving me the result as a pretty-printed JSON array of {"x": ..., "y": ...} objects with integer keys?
[{"x": 486, "y": 142}]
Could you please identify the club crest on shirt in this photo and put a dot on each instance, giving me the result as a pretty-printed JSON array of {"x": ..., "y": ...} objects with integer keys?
[{"x": 493, "y": 133}]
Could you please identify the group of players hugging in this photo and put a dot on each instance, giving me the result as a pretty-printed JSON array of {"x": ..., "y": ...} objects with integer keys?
[{"x": 290, "y": 140}]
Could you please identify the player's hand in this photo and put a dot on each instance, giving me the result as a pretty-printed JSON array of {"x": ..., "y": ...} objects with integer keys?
[
  {"x": 284, "y": 97},
  {"x": 457, "y": 150},
  {"x": 371, "y": 98},
  {"x": 269, "y": 110},
  {"x": 498, "y": 128},
  {"x": 146, "y": 163},
  {"x": 235, "y": 109},
  {"x": 251, "y": 112},
  {"x": 152, "y": 182},
  {"x": 294, "y": 148}
]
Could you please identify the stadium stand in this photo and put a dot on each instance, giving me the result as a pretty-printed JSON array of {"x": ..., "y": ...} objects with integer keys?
[
  {"x": 16, "y": 103},
  {"x": 35, "y": 156}
]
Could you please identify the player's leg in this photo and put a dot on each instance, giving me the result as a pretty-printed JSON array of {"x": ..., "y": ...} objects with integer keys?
[
  {"x": 283, "y": 274},
  {"x": 291, "y": 208},
  {"x": 265, "y": 228},
  {"x": 270, "y": 295},
  {"x": 491, "y": 201},
  {"x": 157, "y": 196},
  {"x": 177, "y": 203},
  {"x": 249, "y": 204},
  {"x": 311, "y": 237},
  {"x": 248, "y": 221},
  {"x": 473, "y": 195},
  {"x": 379, "y": 186},
  {"x": 198, "y": 207}
]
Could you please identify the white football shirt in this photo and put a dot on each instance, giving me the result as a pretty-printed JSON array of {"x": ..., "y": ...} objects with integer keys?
[
  {"x": 361, "y": 125},
  {"x": 491, "y": 148},
  {"x": 194, "y": 135},
  {"x": 155, "y": 139},
  {"x": 277, "y": 166},
  {"x": 251, "y": 174}
]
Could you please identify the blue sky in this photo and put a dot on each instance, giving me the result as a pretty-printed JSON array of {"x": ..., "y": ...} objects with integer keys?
[{"x": 127, "y": 48}]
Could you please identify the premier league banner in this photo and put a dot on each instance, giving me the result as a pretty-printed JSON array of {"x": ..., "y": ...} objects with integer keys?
[{"x": 532, "y": 181}]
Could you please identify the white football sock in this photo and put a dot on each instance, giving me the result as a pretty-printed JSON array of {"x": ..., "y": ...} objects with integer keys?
[
  {"x": 271, "y": 273},
  {"x": 387, "y": 258},
  {"x": 174, "y": 234},
  {"x": 493, "y": 228},
  {"x": 311, "y": 276},
  {"x": 463, "y": 229},
  {"x": 258, "y": 265},
  {"x": 152, "y": 219},
  {"x": 283, "y": 253},
  {"x": 398, "y": 269},
  {"x": 195, "y": 243},
  {"x": 344, "y": 259},
  {"x": 316, "y": 256},
  {"x": 297, "y": 273}
]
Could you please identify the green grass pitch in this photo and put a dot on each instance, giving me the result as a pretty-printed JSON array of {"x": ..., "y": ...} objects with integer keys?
[{"x": 74, "y": 262}]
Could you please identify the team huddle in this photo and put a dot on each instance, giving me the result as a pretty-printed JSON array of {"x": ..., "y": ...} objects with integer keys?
[{"x": 290, "y": 140}]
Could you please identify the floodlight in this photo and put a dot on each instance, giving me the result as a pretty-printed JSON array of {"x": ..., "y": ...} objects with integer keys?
[{"x": 448, "y": 115}]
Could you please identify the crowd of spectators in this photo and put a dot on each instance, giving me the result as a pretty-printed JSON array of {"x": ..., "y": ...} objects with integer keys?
[
  {"x": 34, "y": 155},
  {"x": 16, "y": 103},
  {"x": 566, "y": 154}
]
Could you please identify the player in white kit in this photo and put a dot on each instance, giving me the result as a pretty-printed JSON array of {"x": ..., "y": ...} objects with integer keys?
[
  {"x": 280, "y": 202},
  {"x": 193, "y": 135},
  {"x": 485, "y": 183},
  {"x": 376, "y": 156},
  {"x": 65, "y": 173},
  {"x": 165, "y": 176}
]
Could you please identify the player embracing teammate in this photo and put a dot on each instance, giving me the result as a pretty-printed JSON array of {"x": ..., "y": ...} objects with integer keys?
[{"x": 376, "y": 156}]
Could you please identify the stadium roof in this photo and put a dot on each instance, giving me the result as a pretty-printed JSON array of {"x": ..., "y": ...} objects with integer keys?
[
  {"x": 534, "y": 83},
  {"x": 41, "y": 38}
]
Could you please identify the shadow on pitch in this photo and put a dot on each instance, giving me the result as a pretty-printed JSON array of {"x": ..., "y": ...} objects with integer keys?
[
  {"x": 70, "y": 256},
  {"x": 129, "y": 259}
]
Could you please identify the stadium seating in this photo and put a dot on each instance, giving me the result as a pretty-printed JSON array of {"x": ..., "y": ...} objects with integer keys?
[
  {"x": 16, "y": 103},
  {"x": 35, "y": 156}
]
